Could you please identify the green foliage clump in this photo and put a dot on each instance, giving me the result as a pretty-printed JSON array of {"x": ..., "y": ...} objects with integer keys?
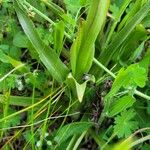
[{"x": 74, "y": 74}]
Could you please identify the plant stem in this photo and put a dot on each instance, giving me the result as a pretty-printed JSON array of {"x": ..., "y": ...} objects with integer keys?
[
  {"x": 103, "y": 67},
  {"x": 10, "y": 72},
  {"x": 141, "y": 140},
  {"x": 32, "y": 119},
  {"x": 34, "y": 105},
  {"x": 39, "y": 13},
  {"x": 142, "y": 94},
  {"x": 136, "y": 92},
  {"x": 106, "y": 144},
  {"x": 43, "y": 16},
  {"x": 79, "y": 140}
]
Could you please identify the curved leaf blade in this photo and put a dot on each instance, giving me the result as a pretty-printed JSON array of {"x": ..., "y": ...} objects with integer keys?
[
  {"x": 48, "y": 57},
  {"x": 69, "y": 130},
  {"x": 121, "y": 104},
  {"x": 83, "y": 47},
  {"x": 112, "y": 48}
]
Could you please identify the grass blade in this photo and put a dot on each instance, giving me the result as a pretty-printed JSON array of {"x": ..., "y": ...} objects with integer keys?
[
  {"x": 117, "y": 19},
  {"x": 106, "y": 56},
  {"x": 69, "y": 130}
]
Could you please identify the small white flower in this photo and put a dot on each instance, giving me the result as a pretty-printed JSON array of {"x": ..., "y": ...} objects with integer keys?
[
  {"x": 49, "y": 143},
  {"x": 20, "y": 85},
  {"x": 50, "y": 30},
  {"x": 46, "y": 134},
  {"x": 35, "y": 72},
  {"x": 27, "y": 80},
  {"x": 38, "y": 144}
]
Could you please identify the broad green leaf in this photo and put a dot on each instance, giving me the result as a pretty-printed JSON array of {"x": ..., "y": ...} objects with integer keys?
[
  {"x": 137, "y": 75},
  {"x": 20, "y": 40},
  {"x": 124, "y": 124},
  {"x": 67, "y": 18},
  {"x": 48, "y": 56},
  {"x": 114, "y": 9},
  {"x": 58, "y": 36},
  {"x": 133, "y": 76},
  {"x": 118, "y": 83},
  {"x": 74, "y": 5},
  {"x": 77, "y": 89},
  {"x": 84, "y": 2},
  {"x": 120, "y": 105},
  {"x": 9, "y": 81},
  {"x": 74, "y": 52},
  {"x": 72, "y": 129},
  {"x": 5, "y": 48},
  {"x": 3, "y": 57},
  {"x": 82, "y": 51},
  {"x": 77, "y": 3}
]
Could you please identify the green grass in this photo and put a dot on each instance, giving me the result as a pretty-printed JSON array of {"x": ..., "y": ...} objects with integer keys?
[{"x": 74, "y": 74}]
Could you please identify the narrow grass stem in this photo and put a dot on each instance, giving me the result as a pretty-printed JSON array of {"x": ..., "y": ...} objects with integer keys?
[
  {"x": 105, "y": 145},
  {"x": 39, "y": 12},
  {"x": 32, "y": 119},
  {"x": 104, "y": 68},
  {"x": 44, "y": 128},
  {"x": 43, "y": 16},
  {"x": 71, "y": 143},
  {"x": 5, "y": 113},
  {"x": 141, "y": 140},
  {"x": 116, "y": 20},
  {"x": 136, "y": 92},
  {"x": 142, "y": 95},
  {"x": 30, "y": 107},
  {"x": 16, "y": 68},
  {"x": 79, "y": 140}
]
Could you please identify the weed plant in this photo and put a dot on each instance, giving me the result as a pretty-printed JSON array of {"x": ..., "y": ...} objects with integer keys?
[{"x": 74, "y": 74}]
